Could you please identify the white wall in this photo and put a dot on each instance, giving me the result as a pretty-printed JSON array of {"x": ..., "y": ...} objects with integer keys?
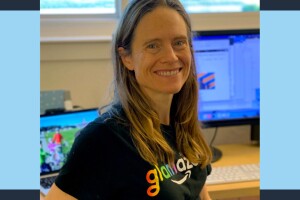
[{"x": 84, "y": 68}]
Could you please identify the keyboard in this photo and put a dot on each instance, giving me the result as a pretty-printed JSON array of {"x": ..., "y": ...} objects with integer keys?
[
  {"x": 233, "y": 173},
  {"x": 46, "y": 184}
]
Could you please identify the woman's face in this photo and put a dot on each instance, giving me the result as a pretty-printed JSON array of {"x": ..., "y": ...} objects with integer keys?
[{"x": 161, "y": 55}]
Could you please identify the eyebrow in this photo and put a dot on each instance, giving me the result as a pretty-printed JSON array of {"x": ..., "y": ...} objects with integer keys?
[
  {"x": 151, "y": 40},
  {"x": 181, "y": 37},
  {"x": 159, "y": 39}
]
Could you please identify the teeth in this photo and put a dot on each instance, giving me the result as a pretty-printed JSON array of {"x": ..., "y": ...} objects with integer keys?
[{"x": 168, "y": 73}]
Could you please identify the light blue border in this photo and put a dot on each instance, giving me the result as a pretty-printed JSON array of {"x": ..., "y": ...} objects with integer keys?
[
  {"x": 280, "y": 100},
  {"x": 19, "y": 99}
]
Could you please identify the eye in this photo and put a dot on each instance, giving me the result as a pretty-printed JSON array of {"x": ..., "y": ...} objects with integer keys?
[
  {"x": 152, "y": 46},
  {"x": 180, "y": 44}
]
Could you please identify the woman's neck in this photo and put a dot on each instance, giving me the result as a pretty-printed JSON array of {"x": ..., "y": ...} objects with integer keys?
[{"x": 163, "y": 106}]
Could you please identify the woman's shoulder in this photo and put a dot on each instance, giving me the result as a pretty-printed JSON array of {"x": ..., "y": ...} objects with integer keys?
[{"x": 107, "y": 124}]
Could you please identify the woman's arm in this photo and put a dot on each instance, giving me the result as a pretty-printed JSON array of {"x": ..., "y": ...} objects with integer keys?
[
  {"x": 56, "y": 194},
  {"x": 42, "y": 197},
  {"x": 204, "y": 194}
]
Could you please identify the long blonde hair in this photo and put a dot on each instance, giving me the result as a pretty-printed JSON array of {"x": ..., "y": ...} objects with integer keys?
[{"x": 144, "y": 122}]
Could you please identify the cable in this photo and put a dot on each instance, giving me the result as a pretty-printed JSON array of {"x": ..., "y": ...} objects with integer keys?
[
  {"x": 217, "y": 154},
  {"x": 214, "y": 137}
]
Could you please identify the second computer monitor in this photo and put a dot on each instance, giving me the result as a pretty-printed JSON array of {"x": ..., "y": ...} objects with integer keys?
[{"x": 228, "y": 71}]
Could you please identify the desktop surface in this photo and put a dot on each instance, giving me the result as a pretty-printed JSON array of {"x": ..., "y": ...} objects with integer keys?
[{"x": 236, "y": 154}]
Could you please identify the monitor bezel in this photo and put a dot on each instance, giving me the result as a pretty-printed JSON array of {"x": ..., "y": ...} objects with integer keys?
[
  {"x": 69, "y": 112},
  {"x": 197, "y": 33}
]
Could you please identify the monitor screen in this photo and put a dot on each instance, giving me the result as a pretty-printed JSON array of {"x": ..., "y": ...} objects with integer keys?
[
  {"x": 57, "y": 134},
  {"x": 227, "y": 65}
]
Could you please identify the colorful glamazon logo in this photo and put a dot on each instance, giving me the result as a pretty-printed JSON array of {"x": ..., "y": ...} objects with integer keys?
[{"x": 154, "y": 176}]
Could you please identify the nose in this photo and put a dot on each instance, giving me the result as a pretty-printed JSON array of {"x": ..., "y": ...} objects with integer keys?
[{"x": 169, "y": 55}]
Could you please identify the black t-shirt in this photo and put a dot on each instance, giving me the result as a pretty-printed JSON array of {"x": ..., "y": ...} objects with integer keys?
[{"x": 105, "y": 164}]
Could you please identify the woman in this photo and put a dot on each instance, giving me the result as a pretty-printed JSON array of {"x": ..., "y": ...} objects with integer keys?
[{"x": 148, "y": 144}]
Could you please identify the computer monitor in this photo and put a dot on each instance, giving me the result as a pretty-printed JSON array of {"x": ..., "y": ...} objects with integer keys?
[
  {"x": 57, "y": 134},
  {"x": 227, "y": 65}
]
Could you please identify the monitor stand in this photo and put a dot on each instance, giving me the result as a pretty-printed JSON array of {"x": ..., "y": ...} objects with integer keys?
[
  {"x": 216, "y": 153},
  {"x": 255, "y": 134}
]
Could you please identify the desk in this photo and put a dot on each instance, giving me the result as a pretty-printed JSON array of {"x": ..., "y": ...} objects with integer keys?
[{"x": 235, "y": 154}]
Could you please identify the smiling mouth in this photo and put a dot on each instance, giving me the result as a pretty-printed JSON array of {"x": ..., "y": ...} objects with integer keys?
[{"x": 168, "y": 72}]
